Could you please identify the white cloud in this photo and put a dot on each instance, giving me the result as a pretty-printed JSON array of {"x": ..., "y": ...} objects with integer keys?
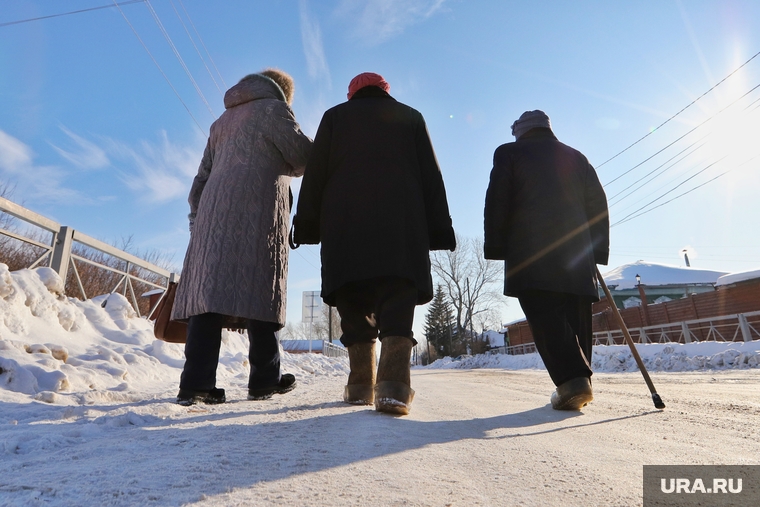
[
  {"x": 88, "y": 155},
  {"x": 314, "y": 51},
  {"x": 160, "y": 171},
  {"x": 35, "y": 181},
  {"x": 376, "y": 21},
  {"x": 15, "y": 156}
]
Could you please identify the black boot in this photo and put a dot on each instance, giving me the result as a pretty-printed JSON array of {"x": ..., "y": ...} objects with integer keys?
[
  {"x": 187, "y": 397},
  {"x": 286, "y": 384}
]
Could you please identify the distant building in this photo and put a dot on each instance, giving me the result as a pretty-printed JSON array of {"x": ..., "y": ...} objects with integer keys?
[
  {"x": 660, "y": 283},
  {"x": 674, "y": 295}
]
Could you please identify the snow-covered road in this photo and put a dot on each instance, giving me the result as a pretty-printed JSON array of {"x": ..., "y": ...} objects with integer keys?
[{"x": 474, "y": 437}]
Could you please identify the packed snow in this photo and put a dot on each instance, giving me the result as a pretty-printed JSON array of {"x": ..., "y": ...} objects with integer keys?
[
  {"x": 738, "y": 277},
  {"x": 651, "y": 273},
  {"x": 65, "y": 351},
  {"x": 87, "y": 417},
  {"x": 61, "y": 350}
]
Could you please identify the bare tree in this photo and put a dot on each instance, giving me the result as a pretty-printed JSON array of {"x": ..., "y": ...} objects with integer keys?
[
  {"x": 471, "y": 283},
  {"x": 294, "y": 331},
  {"x": 332, "y": 322}
]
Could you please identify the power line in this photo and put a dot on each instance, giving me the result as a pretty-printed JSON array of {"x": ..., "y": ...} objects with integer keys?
[
  {"x": 686, "y": 134},
  {"x": 67, "y": 13},
  {"x": 630, "y": 215},
  {"x": 679, "y": 112},
  {"x": 159, "y": 67},
  {"x": 176, "y": 53},
  {"x": 671, "y": 200},
  {"x": 202, "y": 44},
  {"x": 655, "y": 170}
]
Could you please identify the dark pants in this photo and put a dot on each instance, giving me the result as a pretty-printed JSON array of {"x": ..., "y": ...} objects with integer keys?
[
  {"x": 390, "y": 299},
  {"x": 561, "y": 327},
  {"x": 204, "y": 338}
]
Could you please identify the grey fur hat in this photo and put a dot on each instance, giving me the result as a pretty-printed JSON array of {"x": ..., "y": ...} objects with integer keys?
[{"x": 530, "y": 120}]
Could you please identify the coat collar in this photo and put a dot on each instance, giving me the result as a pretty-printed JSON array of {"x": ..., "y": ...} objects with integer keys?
[
  {"x": 371, "y": 91},
  {"x": 253, "y": 88},
  {"x": 538, "y": 133}
]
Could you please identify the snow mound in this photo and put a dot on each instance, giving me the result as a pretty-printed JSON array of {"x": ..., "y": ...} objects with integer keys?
[
  {"x": 62, "y": 351},
  {"x": 674, "y": 357}
]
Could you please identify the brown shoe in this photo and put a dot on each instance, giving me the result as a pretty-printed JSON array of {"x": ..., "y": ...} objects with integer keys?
[
  {"x": 572, "y": 395},
  {"x": 360, "y": 389},
  {"x": 393, "y": 392}
]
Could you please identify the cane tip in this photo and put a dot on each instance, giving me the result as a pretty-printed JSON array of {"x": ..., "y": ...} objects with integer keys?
[{"x": 657, "y": 401}]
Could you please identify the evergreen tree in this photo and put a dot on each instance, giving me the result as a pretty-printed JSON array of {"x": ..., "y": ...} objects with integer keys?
[{"x": 439, "y": 322}]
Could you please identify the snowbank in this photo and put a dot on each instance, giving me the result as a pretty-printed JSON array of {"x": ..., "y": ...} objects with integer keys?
[
  {"x": 617, "y": 358},
  {"x": 64, "y": 351}
]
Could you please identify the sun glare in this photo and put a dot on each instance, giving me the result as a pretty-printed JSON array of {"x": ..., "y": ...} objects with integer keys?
[{"x": 733, "y": 131}]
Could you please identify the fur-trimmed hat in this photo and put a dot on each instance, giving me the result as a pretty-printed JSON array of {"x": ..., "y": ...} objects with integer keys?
[
  {"x": 530, "y": 120},
  {"x": 367, "y": 79},
  {"x": 281, "y": 79}
]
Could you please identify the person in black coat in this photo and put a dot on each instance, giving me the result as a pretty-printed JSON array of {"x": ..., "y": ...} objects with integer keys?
[
  {"x": 373, "y": 195},
  {"x": 546, "y": 216}
]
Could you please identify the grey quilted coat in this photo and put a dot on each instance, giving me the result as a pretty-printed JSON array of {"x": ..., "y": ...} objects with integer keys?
[{"x": 237, "y": 259}]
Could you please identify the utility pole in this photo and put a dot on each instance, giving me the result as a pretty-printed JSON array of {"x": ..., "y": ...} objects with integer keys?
[
  {"x": 329, "y": 323},
  {"x": 644, "y": 302}
]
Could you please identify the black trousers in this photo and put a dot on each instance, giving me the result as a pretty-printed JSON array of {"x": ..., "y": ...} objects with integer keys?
[
  {"x": 204, "y": 339},
  {"x": 561, "y": 327},
  {"x": 390, "y": 299}
]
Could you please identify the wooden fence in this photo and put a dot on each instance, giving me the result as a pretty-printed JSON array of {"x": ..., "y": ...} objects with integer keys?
[{"x": 729, "y": 311}]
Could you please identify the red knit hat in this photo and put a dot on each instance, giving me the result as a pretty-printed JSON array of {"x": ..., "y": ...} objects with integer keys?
[{"x": 367, "y": 79}]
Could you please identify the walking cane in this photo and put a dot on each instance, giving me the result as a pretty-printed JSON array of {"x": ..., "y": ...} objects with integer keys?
[{"x": 655, "y": 397}]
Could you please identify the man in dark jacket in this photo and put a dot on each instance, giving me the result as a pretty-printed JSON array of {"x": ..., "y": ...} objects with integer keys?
[
  {"x": 546, "y": 217},
  {"x": 373, "y": 195}
]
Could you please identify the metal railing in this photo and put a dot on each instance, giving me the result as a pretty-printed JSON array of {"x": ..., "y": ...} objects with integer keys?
[
  {"x": 524, "y": 348},
  {"x": 742, "y": 327},
  {"x": 724, "y": 328},
  {"x": 60, "y": 257},
  {"x": 330, "y": 350}
]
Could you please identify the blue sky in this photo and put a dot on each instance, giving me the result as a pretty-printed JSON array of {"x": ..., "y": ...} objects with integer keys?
[{"x": 95, "y": 136}]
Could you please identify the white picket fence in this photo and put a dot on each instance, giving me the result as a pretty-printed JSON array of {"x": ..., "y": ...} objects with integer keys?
[{"x": 59, "y": 256}]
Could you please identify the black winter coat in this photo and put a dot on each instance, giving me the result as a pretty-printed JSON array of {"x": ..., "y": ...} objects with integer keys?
[
  {"x": 373, "y": 195},
  {"x": 546, "y": 216}
]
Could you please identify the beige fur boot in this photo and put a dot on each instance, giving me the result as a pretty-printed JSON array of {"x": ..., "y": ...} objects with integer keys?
[
  {"x": 361, "y": 381},
  {"x": 393, "y": 392}
]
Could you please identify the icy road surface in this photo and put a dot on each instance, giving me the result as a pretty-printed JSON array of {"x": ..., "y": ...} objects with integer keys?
[{"x": 474, "y": 437}]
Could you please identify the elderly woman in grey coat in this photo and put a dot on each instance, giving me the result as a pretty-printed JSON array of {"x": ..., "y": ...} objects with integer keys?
[{"x": 236, "y": 266}]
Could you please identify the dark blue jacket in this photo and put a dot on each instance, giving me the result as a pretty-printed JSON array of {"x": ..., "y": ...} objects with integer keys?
[{"x": 546, "y": 216}]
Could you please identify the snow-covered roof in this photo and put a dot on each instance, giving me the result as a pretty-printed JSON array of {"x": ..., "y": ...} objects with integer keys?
[
  {"x": 624, "y": 277},
  {"x": 738, "y": 277}
]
